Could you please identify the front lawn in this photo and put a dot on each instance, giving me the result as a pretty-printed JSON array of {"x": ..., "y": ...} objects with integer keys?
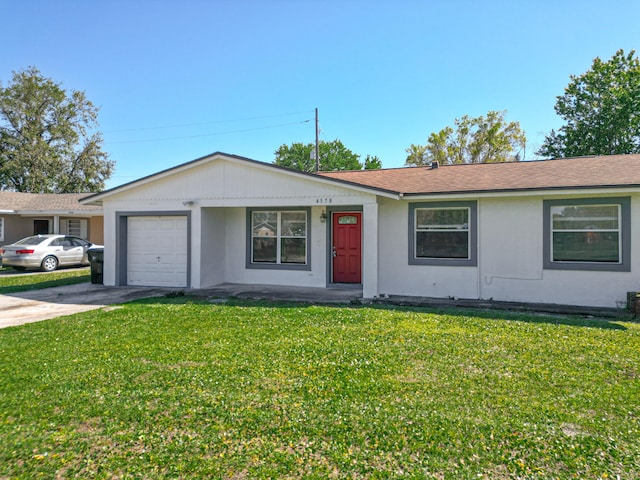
[
  {"x": 23, "y": 281},
  {"x": 174, "y": 388}
]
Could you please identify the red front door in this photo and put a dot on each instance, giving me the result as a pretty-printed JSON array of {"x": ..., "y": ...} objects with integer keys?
[{"x": 347, "y": 247}]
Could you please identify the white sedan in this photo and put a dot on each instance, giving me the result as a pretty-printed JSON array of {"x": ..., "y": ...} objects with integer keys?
[{"x": 46, "y": 252}]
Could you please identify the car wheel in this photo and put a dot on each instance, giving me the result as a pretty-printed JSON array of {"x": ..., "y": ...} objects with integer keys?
[
  {"x": 20, "y": 269},
  {"x": 49, "y": 264}
]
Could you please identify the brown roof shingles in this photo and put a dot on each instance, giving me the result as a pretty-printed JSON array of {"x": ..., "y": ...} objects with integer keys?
[
  {"x": 579, "y": 172},
  {"x": 44, "y": 202}
]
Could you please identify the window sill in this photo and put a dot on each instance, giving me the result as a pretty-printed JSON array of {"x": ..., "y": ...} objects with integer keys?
[
  {"x": 587, "y": 266},
  {"x": 278, "y": 266}
]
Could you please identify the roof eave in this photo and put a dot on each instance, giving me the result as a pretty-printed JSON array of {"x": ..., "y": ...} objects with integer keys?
[
  {"x": 86, "y": 213},
  {"x": 523, "y": 190}
]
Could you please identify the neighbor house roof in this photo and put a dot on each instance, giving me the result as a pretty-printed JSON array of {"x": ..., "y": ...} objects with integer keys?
[
  {"x": 570, "y": 173},
  {"x": 51, "y": 203}
]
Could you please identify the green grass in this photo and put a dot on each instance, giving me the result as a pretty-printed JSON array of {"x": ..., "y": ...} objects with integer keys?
[
  {"x": 22, "y": 282},
  {"x": 175, "y": 388}
]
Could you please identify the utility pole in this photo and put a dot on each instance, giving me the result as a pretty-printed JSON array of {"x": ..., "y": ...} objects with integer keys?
[{"x": 317, "y": 151}]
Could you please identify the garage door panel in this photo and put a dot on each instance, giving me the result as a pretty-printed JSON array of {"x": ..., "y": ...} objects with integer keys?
[
  {"x": 157, "y": 251},
  {"x": 166, "y": 243}
]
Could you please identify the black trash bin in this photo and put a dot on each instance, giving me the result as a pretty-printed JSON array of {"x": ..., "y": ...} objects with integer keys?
[{"x": 96, "y": 259}]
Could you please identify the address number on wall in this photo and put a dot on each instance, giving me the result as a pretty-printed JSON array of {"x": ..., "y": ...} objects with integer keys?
[{"x": 323, "y": 200}]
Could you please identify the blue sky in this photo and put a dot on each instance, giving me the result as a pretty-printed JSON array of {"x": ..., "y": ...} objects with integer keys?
[{"x": 176, "y": 80}]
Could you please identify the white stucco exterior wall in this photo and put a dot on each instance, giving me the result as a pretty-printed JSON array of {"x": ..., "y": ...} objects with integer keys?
[
  {"x": 214, "y": 252},
  {"x": 510, "y": 259},
  {"x": 109, "y": 267},
  {"x": 235, "y": 259},
  {"x": 511, "y": 268},
  {"x": 217, "y": 195},
  {"x": 370, "y": 250},
  {"x": 397, "y": 277},
  {"x": 509, "y": 237}
]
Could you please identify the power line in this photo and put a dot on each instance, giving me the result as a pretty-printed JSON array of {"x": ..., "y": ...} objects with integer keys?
[
  {"x": 162, "y": 127},
  {"x": 164, "y": 139}
]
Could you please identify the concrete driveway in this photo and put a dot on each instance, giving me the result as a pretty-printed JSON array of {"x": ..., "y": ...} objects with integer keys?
[{"x": 36, "y": 305}]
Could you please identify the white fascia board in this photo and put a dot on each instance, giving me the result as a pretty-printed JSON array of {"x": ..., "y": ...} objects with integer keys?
[{"x": 556, "y": 192}]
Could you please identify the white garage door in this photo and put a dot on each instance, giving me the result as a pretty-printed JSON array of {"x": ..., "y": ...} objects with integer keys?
[{"x": 157, "y": 251}]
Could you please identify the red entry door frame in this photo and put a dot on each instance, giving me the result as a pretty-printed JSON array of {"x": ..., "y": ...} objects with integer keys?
[{"x": 346, "y": 247}]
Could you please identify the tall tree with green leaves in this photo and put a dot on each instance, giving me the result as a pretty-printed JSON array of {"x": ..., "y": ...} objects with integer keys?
[
  {"x": 601, "y": 109},
  {"x": 483, "y": 139},
  {"x": 48, "y": 142},
  {"x": 371, "y": 162},
  {"x": 333, "y": 156}
]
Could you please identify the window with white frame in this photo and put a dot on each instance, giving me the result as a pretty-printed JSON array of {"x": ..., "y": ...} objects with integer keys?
[
  {"x": 442, "y": 233},
  {"x": 587, "y": 234},
  {"x": 1, "y": 228},
  {"x": 278, "y": 238},
  {"x": 74, "y": 227}
]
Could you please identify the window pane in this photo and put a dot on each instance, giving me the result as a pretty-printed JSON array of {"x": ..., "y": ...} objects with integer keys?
[
  {"x": 294, "y": 224},
  {"x": 442, "y": 244},
  {"x": 264, "y": 224},
  {"x": 79, "y": 242},
  {"x": 442, "y": 219},
  {"x": 586, "y": 247},
  {"x": 31, "y": 241},
  {"x": 74, "y": 227},
  {"x": 264, "y": 249},
  {"x": 585, "y": 217},
  {"x": 347, "y": 220},
  {"x": 293, "y": 250},
  {"x": 279, "y": 237}
]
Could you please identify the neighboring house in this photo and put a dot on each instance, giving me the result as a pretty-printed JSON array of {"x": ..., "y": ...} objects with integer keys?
[
  {"x": 24, "y": 214},
  {"x": 556, "y": 231}
]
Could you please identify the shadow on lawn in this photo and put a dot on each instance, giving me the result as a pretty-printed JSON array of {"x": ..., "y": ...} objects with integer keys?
[
  {"x": 492, "y": 314},
  {"x": 537, "y": 317}
]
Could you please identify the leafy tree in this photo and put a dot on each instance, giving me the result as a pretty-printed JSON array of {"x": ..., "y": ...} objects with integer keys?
[
  {"x": 372, "y": 163},
  {"x": 481, "y": 139},
  {"x": 416, "y": 155},
  {"x": 45, "y": 141},
  {"x": 333, "y": 156},
  {"x": 601, "y": 109}
]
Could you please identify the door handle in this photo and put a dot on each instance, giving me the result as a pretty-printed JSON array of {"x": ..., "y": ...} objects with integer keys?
[{"x": 333, "y": 252}]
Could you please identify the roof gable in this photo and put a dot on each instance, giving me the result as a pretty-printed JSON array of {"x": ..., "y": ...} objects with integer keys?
[{"x": 200, "y": 174}]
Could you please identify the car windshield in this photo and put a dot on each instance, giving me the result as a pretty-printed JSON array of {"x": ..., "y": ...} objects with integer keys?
[{"x": 36, "y": 240}]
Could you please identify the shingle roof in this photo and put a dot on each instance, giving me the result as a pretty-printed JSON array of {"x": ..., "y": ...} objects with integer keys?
[
  {"x": 44, "y": 202},
  {"x": 579, "y": 172}
]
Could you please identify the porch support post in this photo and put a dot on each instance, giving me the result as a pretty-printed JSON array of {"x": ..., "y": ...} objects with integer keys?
[
  {"x": 56, "y": 224},
  {"x": 196, "y": 247},
  {"x": 370, "y": 250}
]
